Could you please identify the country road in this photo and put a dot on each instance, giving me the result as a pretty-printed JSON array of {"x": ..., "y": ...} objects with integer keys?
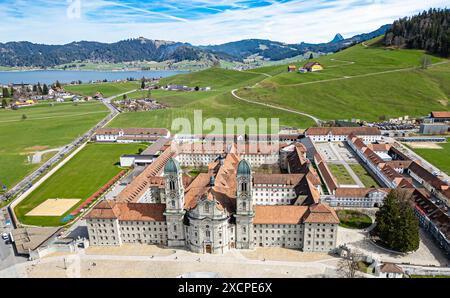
[
  {"x": 362, "y": 75},
  {"x": 26, "y": 183},
  {"x": 317, "y": 120}
]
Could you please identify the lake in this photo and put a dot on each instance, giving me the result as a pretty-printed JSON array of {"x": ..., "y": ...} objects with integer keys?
[{"x": 67, "y": 76}]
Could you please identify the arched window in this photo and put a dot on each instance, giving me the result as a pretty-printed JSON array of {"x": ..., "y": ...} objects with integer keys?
[
  {"x": 206, "y": 208},
  {"x": 208, "y": 234},
  {"x": 172, "y": 185},
  {"x": 244, "y": 186},
  {"x": 244, "y": 205},
  {"x": 175, "y": 228},
  {"x": 173, "y": 203}
]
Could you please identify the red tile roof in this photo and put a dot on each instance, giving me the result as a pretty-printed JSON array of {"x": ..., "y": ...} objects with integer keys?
[{"x": 279, "y": 214}]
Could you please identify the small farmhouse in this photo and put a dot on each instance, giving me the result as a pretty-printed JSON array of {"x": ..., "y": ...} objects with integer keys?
[
  {"x": 313, "y": 66},
  {"x": 292, "y": 68}
]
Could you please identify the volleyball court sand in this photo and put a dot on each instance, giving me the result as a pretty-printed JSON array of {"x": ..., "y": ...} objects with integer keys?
[{"x": 53, "y": 207}]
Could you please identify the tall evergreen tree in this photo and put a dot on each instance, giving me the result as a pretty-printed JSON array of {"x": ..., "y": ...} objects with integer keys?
[
  {"x": 429, "y": 30},
  {"x": 397, "y": 226},
  {"x": 5, "y": 92},
  {"x": 45, "y": 89}
]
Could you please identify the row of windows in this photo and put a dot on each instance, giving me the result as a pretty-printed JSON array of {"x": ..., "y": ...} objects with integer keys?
[
  {"x": 161, "y": 236},
  {"x": 143, "y": 223},
  {"x": 143, "y": 229},
  {"x": 273, "y": 231}
]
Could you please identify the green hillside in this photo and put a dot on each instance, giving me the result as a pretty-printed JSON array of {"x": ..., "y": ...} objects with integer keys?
[
  {"x": 217, "y": 103},
  {"x": 360, "y": 82}
]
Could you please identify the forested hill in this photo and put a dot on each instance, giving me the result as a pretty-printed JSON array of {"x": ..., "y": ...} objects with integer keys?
[
  {"x": 428, "y": 31},
  {"x": 30, "y": 54}
]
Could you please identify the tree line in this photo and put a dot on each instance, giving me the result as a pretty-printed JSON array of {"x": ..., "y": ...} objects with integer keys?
[{"x": 429, "y": 30}]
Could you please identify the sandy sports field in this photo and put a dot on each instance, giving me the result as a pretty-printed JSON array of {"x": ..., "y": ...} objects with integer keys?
[
  {"x": 53, "y": 207},
  {"x": 424, "y": 145}
]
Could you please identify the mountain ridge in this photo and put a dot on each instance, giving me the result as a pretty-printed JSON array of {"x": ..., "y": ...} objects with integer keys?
[{"x": 27, "y": 54}]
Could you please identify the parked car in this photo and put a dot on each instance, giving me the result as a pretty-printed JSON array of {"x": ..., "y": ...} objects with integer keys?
[{"x": 5, "y": 236}]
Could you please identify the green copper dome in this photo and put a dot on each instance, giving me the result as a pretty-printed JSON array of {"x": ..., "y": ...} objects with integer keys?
[
  {"x": 172, "y": 167},
  {"x": 244, "y": 168}
]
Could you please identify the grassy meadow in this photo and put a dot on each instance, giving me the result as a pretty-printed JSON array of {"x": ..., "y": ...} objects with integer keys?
[
  {"x": 438, "y": 157},
  {"x": 217, "y": 103},
  {"x": 79, "y": 178},
  {"x": 359, "y": 82},
  {"x": 45, "y": 127}
]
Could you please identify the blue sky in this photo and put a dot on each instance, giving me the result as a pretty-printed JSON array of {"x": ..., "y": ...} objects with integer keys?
[{"x": 198, "y": 21}]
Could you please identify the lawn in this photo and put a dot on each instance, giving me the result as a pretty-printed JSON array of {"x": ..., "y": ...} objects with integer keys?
[
  {"x": 80, "y": 178},
  {"x": 341, "y": 174},
  {"x": 352, "y": 219},
  {"x": 364, "y": 176},
  {"x": 334, "y": 94},
  {"x": 107, "y": 89},
  {"x": 438, "y": 157},
  {"x": 45, "y": 127}
]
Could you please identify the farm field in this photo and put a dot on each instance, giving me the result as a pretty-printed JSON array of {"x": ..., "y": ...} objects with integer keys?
[
  {"x": 217, "y": 103},
  {"x": 355, "y": 81},
  {"x": 364, "y": 176},
  {"x": 107, "y": 89},
  {"x": 81, "y": 177},
  {"x": 45, "y": 127},
  {"x": 341, "y": 174},
  {"x": 438, "y": 157}
]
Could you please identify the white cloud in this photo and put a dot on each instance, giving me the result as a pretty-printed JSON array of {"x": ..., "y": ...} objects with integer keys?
[{"x": 292, "y": 22}]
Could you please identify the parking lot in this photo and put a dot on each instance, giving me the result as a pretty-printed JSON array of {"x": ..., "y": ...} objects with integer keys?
[
  {"x": 336, "y": 152},
  {"x": 7, "y": 257}
]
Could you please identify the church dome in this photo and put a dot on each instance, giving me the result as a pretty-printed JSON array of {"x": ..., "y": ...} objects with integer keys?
[
  {"x": 172, "y": 166},
  {"x": 244, "y": 168}
]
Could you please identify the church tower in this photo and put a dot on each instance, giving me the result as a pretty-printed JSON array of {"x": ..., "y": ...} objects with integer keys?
[
  {"x": 174, "y": 203},
  {"x": 244, "y": 207}
]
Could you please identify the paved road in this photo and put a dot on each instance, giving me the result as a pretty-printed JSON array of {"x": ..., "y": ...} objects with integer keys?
[
  {"x": 7, "y": 256},
  {"x": 315, "y": 119},
  {"x": 26, "y": 183},
  {"x": 37, "y": 157}
]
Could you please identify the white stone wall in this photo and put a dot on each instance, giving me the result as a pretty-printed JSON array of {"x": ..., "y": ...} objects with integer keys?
[
  {"x": 106, "y": 138},
  {"x": 278, "y": 235},
  {"x": 319, "y": 237},
  {"x": 265, "y": 194},
  {"x": 144, "y": 232},
  {"x": 104, "y": 232}
]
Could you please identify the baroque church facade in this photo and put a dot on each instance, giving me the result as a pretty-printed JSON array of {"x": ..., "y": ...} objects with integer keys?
[{"x": 229, "y": 206}]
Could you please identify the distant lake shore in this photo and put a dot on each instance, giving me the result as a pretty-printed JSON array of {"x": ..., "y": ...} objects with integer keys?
[{"x": 86, "y": 76}]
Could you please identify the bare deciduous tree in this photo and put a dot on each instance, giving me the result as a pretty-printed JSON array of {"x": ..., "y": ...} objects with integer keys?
[{"x": 348, "y": 266}]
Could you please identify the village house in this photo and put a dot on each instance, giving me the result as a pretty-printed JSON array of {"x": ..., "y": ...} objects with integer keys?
[
  {"x": 313, "y": 66},
  {"x": 292, "y": 68}
]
